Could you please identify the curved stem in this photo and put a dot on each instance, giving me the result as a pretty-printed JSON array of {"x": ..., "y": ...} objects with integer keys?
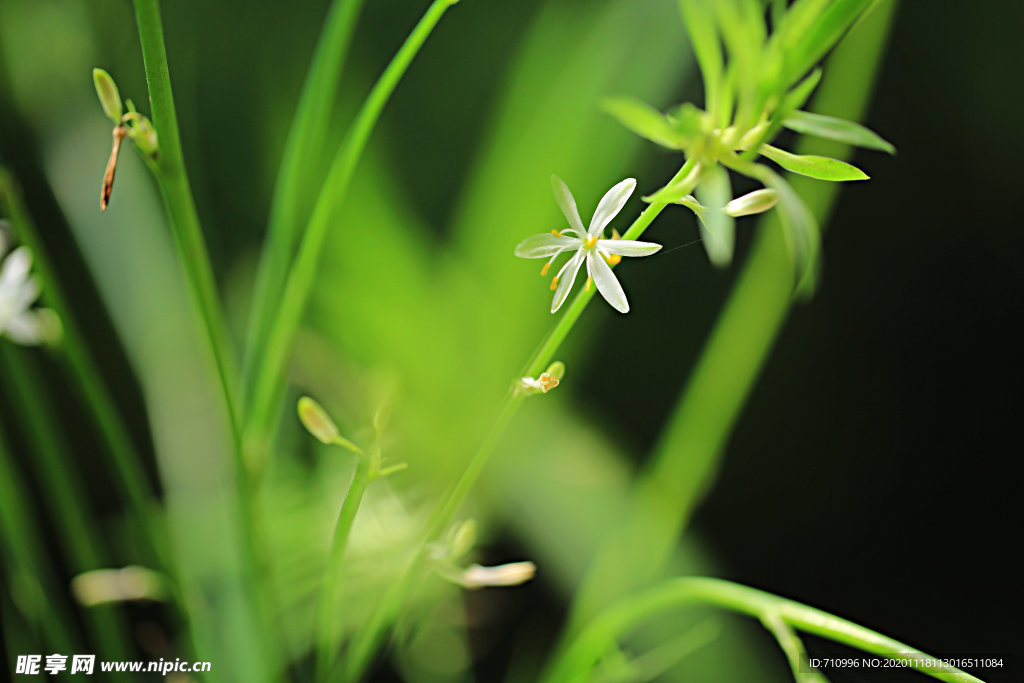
[
  {"x": 327, "y": 620},
  {"x": 593, "y": 641}
]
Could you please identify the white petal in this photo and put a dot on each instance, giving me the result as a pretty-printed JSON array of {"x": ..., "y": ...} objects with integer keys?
[
  {"x": 32, "y": 328},
  {"x": 610, "y": 205},
  {"x": 606, "y": 283},
  {"x": 566, "y": 277},
  {"x": 15, "y": 268},
  {"x": 567, "y": 204},
  {"x": 628, "y": 247},
  {"x": 545, "y": 245},
  {"x": 26, "y": 295}
]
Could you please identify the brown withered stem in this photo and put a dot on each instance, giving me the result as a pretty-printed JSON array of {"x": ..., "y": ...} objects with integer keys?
[{"x": 108, "y": 176}]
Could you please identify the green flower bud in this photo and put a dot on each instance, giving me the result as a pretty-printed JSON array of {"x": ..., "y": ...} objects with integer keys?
[
  {"x": 110, "y": 98},
  {"x": 556, "y": 370},
  {"x": 317, "y": 422}
]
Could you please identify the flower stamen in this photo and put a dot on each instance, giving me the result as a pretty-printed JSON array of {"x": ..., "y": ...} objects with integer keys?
[
  {"x": 590, "y": 283},
  {"x": 545, "y": 269},
  {"x": 554, "y": 283}
]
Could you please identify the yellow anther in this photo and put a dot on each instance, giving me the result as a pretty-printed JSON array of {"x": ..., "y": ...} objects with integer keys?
[
  {"x": 591, "y": 241},
  {"x": 590, "y": 281},
  {"x": 545, "y": 269},
  {"x": 556, "y": 233},
  {"x": 547, "y": 382},
  {"x": 554, "y": 283},
  {"x": 613, "y": 259}
]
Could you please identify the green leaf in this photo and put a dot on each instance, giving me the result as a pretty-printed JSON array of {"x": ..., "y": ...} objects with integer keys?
[
  {"x": 717, "y": 228},
  {"x": 700, "y": 26},
  {"x": 840, "y": 130},
  {"x": 822, "y": 168},
  {"x": 810, "y": 29},
  {"x": 645, "y": 121},
  {"x": 744, "y": 32},
  {"x": 687, "y": 121}
]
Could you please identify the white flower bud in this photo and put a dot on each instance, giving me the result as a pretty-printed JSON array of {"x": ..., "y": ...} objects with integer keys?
[{"x": 751, "y": 203}]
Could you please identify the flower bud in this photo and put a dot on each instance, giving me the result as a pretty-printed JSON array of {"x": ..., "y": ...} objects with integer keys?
[
  {"x": 463, "y": 539},
  {"x": 103, "y": 586},
  {"x": 110, "y": 98},
  {"x": 513, "y": 574},
  {"x": 317, "y": 422},
  {"x": 757, "y": 201},
  {"x": 556, "y": 370}
]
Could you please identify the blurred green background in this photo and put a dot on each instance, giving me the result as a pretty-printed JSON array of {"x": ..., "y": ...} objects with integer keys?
[{"x": 870, "y": 474}]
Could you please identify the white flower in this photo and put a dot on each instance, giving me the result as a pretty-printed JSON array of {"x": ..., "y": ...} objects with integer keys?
[
  {"x": 589, "y": 245},
  {"x": 18, "y": 291}
]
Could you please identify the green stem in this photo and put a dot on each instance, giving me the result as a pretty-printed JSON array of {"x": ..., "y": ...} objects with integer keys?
[
  {"x": 370, "y": 637},
  {"x": 181, "y": 209},
  {"x": 269, "y": 365},
  {"x": 328, "y": 617},
  {"x": 27, "y": 568},
  {"x": 71, "y": 513},
  {"x": 184, "y": 219},
  {"x": 131, "y": 480},
  {"x": 298, "y": 172},
  {"x": 593, "y": 641}
]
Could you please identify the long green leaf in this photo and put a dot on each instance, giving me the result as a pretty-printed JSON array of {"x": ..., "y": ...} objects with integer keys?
[
  {"x": 839, "y": 130},
  {"x": 269, "y": 365},
  {"x": 809, "y": 30},
  {"x": 298, "y": 170},
  {"x": 700, "y": 25},
  {"x": 645, "y": 121},
  {"x": 813, "y": 166}
]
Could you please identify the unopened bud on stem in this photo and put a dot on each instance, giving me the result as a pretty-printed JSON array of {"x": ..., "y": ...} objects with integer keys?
[{"x": 754, "y": 202}]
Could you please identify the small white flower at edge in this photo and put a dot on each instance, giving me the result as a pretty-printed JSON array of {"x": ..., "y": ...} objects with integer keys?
[
  {"x": 18, "y": 291},
  {"x": 589, "y": 245}
]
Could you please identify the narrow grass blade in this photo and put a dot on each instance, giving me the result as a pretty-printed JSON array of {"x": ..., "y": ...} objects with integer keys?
[{"x": 297, "y": 173}]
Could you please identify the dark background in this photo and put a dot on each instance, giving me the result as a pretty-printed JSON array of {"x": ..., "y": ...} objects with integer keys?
[{"x": 893, "y": 395}]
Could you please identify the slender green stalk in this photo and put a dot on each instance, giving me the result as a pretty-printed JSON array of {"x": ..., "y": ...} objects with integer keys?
[
  {"x": 298, "y": 172},
  {"x": 594, "y": 640},
  {"x": 269, "y": 365},
  {"x": 130, "y": 479},
  {"x": 55, "y": 467},
  {"x": 178, "y": 201},
  {"x": 369, "y": 638},
  {"x": 327, "y": 616},
  {"x": 181, "y": 209},
  {"x": 25, "y": 561}
]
